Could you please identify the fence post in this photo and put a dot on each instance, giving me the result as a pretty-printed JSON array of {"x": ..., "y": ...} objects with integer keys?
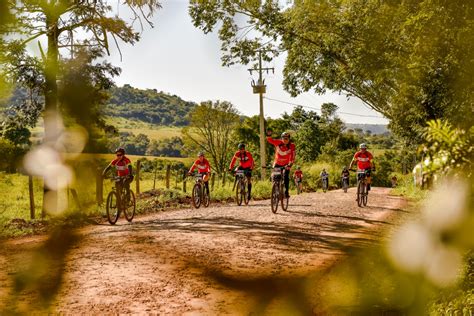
[
  {"x": 99, "y": 187},
  {"x": 168, "y": 174},
  {"x": 184, "y": 180},
  {"x": 32, "y": 197},
  {"x": 138, "y": 177},
  {"x": 154, "y": 177},
  {"x": 213, "y": 179}
]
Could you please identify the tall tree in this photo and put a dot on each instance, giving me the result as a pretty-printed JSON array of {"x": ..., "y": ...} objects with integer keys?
[
  {"x": 58, "y": 21},
  {"x": 409, "y": 60},
  {"x": 211, "y": 127}
]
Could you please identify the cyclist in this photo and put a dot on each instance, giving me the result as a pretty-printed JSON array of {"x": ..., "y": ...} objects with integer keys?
[
  {"x": 364, "y": 162},
  {"x": 298, "y": 176},
  {"x": 324, "y": 177},
  {"x": 246, "y": 164},
  {"x": 123, "y": 165},
  {"x": 285, "y": 154},
  {"x": 204, "y": 168},
  {"x": 345, "y": 174}
]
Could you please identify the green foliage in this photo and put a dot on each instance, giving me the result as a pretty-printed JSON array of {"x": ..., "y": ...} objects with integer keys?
[
  {"x": 211, "y": 128},
  {"x": 409, "y": 60},
  {"x": 11, "y": 155},
  {"x": 168, "y": 147},
  {"x": 406, "y": 187},
  {"x": 448, "y": 150},
  {"x": 148, "y": 106}
]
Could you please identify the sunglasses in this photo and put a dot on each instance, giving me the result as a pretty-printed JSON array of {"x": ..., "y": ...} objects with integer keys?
[
  {"x": 119, "y": 155},
  {"x": 287, "y": 138}
]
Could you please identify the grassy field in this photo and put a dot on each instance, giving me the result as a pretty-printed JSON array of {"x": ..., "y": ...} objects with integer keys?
[{"x": 151, "y": 130}]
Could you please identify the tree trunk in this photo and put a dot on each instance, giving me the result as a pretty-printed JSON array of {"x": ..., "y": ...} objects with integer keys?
[{"x": 51, "y": 93}]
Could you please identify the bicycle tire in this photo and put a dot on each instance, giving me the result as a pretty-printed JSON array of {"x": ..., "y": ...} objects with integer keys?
[
  {"x": 196, "y": 196},
  {"x": 206, "y": 199},
  {"x": 238, "y": 196},
  {"x": 360, "y": 192},
  {"x": 130, "y": 207},
  {"x": 275, "y": 198},
  {"x": 345, "y": 186},
  {"x": 243, "y": 192},
  {"x": 112, "y": 207},
  {"x": 325, "y": 188},
  {"x": 284, "y": 201},
  {"x": 365, "y": 196}
]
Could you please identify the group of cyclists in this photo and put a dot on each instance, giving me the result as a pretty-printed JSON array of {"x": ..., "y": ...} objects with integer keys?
[{"x": 285, "y": 154}]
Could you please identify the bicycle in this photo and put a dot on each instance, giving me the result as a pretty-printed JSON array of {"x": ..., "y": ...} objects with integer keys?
[
  {"x": 325, "y": 182},
  {"x": 199, "y": 193},
  {"x": 120, "y": 200},
  {"x": 362, "y": 192},
  {"x": 299, "y": 185},
  {"x": 278, "y": 189},
  {"x": 345, "y": 183},
  {"x": 240, "y": 185}
]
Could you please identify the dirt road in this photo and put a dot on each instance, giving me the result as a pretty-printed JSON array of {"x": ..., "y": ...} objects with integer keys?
[{"x": 207, "y": 261}]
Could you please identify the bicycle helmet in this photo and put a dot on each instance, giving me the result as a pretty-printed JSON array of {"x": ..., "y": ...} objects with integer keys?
[
  {"x": 201, "y": 153},
  {"x": 285, "y": 135},
  {"x": 241, "y": 146},
  {"x": 120, "y": 150},
  {"x": 363, "y": 146},
  {"x": 297, "y": 167}
]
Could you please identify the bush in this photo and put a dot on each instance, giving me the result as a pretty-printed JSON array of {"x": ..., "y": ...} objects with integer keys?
[{"x": 11, "y": 155}]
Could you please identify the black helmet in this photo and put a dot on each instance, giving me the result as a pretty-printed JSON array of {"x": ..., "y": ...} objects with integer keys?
[
  {"x": 120, "y": 150},
  {"x": 241, "y": 146}
]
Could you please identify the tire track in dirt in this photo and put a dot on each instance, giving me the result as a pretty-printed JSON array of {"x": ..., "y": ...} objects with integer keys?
[{"x": 211, "y": 260}]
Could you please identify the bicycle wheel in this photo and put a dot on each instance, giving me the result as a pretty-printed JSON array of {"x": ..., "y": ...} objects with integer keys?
[
  {"x": 130, "y": 207},
  {"x": 298, "y": 188},
  {"x": 112, "y": 207},
  {"x": 275, "y": 198},
  {"x": 196, "y": 195},
  {"x": 360, "y": 192},
  {"x": 344, "y": 185},
  {"x": 243, "y": 192},
  {"x": 365, "y": 196},
  {"x": 238, "y": 196},
  {"x": 206, "y": 199},
  {"x": 283, "y": 199},
  {"x": 325, "y": 188}
]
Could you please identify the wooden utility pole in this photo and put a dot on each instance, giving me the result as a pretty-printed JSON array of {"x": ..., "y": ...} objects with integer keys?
[{"x": 260, "y": 88}]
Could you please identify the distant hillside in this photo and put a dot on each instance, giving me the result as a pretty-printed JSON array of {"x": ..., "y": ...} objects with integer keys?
[
  {"x": 374, "y": 128},
  {"x": 148, "y": 106}
]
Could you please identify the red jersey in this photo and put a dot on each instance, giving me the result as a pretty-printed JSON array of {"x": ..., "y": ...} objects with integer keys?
[
  {"x": 203, "y": 167},
  {"x": 363, "y": 159},
  {"x": 298, "y": 174},
  {"x": 121, "y": 166},
  {"x": 284, "y": 154},
  {"x": 245, "y": 160}
]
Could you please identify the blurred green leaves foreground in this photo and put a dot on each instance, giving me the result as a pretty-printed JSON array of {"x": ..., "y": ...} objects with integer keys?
[{"x": 53, "y": 51}]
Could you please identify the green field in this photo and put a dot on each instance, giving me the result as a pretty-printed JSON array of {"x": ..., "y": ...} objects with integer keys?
[{"x": 154, "y": 132}]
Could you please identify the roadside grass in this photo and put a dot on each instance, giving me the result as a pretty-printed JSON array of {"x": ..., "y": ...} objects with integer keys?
[{"x": 406, "y": 188}]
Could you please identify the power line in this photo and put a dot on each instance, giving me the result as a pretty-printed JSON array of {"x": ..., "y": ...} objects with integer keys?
[{"x": 319, "y": 109}]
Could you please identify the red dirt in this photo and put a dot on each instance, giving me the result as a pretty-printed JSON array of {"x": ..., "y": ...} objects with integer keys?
[{"x": 214, "y": 260}]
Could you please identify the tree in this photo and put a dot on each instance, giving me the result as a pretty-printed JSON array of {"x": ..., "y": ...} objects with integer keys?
[
  {"x": 211, "y": 127},
  {"x": 58, "y": 20},
  {"x": 409, "y": 60}
]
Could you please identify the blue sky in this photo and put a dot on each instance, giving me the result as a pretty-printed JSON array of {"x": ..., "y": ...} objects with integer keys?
[{"x": 177, "y": 58}]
